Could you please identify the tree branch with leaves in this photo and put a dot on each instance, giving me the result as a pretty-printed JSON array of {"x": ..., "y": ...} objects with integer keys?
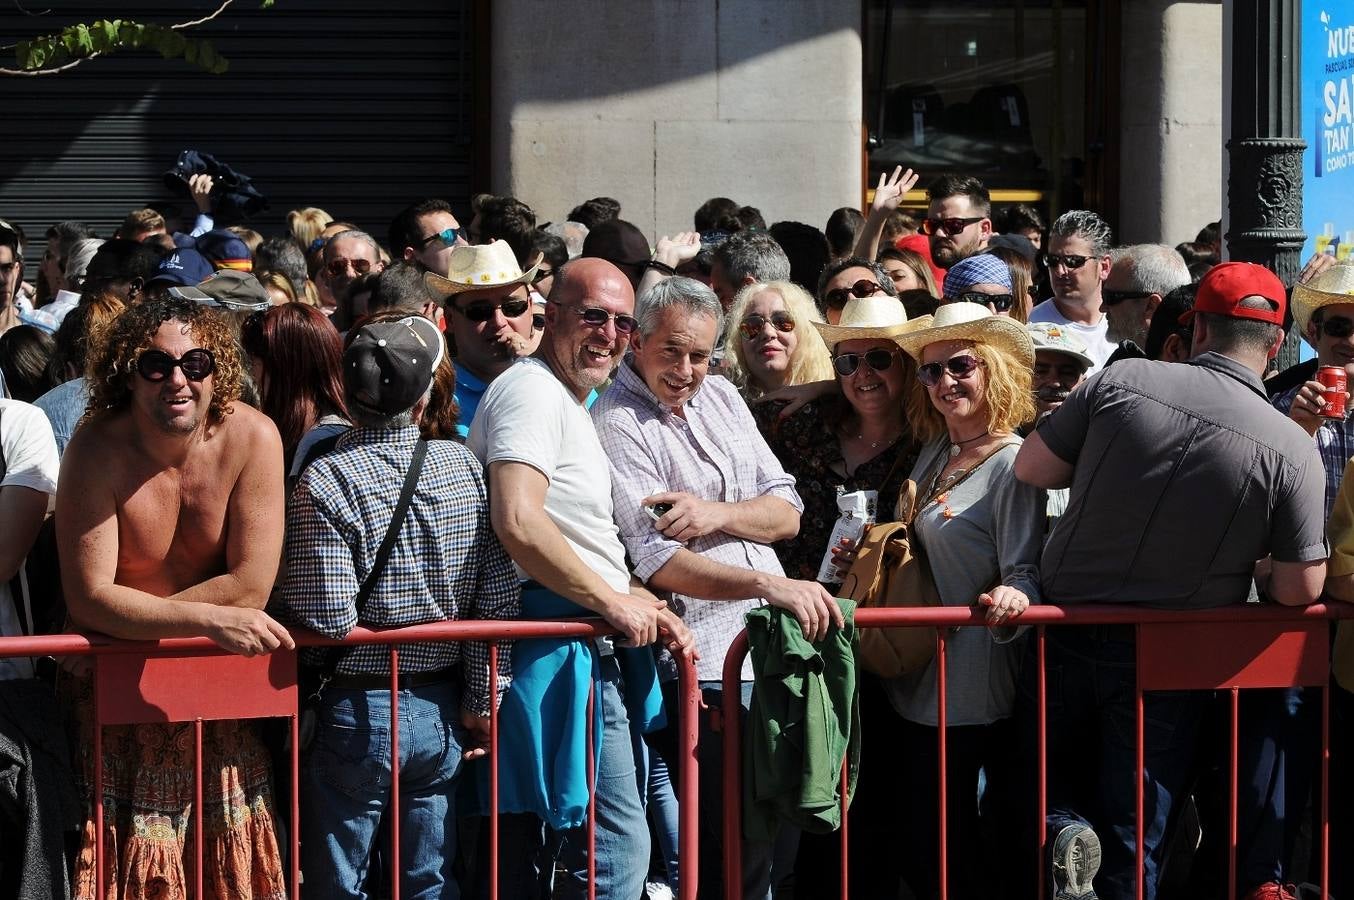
[{"x": 77, "y": 44}]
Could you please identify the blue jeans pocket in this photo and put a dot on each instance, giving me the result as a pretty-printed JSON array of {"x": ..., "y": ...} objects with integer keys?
[{"x": 353, "y": 759}]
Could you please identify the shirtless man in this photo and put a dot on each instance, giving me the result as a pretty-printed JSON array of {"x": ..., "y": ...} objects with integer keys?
[{"x": 171, "y": 526}]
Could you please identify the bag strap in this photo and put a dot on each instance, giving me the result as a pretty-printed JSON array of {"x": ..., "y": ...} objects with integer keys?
[
  {"x": 932, "y": 493},
  {"x": 334, "y": 655}
]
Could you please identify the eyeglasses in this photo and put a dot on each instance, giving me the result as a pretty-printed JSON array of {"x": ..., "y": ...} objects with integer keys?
[
  {"x": 755, "y": 323},
  {"x": 998, "y": 302},
  {"x": 156, "y": 365},
  {"x": 448, "y": 237},
  {"x": 596, "y": 317},
  {"x": 880, "y": 360},
  {"x": 836, "y": 298},
  {"x": 1069, "y": 260},
  {"x": 538, "y": 321},
  {"x": 484, "y": 310},
  {"x": 1337, "y": 327},
  {"x": 951, "y": 226},
  {"x": 541, "y": 275},
  {"x": 958, "y": 366},
  {"x": 337, "y": 267},
  {"x": 1114, "y": 298}
]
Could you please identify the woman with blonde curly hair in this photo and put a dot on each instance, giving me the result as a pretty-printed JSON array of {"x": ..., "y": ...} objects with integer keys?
[{"x": 768, "y": 343}]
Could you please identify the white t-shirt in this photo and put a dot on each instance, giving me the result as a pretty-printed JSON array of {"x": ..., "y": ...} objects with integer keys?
[
  {"x": 528, "y": 416},
  {"x": 1095, "y": 337},
  {"x": 30, "y": 461}
]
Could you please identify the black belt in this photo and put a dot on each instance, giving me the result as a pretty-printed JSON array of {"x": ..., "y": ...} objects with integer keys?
[{"x": 406, "y": 680}]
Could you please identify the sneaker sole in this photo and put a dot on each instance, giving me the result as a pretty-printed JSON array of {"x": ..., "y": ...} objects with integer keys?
[{"x": 1066, "y": 845}]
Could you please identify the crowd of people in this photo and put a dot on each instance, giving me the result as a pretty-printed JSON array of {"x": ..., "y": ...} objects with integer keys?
[{"x": 207, "y": 432}]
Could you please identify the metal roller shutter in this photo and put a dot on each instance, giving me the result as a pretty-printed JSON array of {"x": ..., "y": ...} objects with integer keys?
[{"x": 353, "y": 106}]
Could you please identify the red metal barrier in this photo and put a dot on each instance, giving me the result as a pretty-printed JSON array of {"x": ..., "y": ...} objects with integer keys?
[
  {"x": 193, "y": 680},
  {"x": 1225, "y": 649}
]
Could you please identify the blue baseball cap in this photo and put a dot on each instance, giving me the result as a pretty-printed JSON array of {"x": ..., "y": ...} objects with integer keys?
[{"x": 185, "y": 268}]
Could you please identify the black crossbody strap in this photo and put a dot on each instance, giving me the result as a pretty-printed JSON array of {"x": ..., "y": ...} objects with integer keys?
[{"x": 334, "y": 655}]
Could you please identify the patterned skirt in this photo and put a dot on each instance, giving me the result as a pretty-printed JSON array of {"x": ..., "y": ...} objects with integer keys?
[{"x": 148, "y": 811}]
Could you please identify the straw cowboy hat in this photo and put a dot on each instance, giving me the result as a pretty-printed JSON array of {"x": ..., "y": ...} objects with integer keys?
[
  {"x": 1335, "y": 285},
  {"x": 880, "y": 316},
  {"x": 971, "y": 322},
  {"x": 478, "y": 267}
]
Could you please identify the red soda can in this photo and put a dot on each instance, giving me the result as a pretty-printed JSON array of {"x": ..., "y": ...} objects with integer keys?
[{"x": 1333, "y": 387}]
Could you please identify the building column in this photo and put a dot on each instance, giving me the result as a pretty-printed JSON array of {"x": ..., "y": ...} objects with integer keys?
[{"x": 1264, "y": 185}]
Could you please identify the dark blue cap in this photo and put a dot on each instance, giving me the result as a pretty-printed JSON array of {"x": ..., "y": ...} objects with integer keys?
[{"x": 182, "y": 267}]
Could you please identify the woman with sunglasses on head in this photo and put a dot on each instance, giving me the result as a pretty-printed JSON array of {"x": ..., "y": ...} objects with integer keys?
[
  {"x": 982, "y": 531},
  {"x": 768, "y": 343},
  {"x": 294, "y": 358},
  {"x": 851, "y": 277}
]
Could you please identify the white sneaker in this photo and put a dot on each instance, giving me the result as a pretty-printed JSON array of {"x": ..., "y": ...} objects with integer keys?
[{"x": 657, "y": 890}]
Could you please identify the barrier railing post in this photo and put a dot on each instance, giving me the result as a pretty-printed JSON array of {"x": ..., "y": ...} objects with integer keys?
[
  {"x": 197, "y": 809},
  {"x": 592, "y": 796},
  {"x": 733, "y": 773},
  {"x": 394, "y": 773},
  {"x": 493, "y": 770},
  {"x": 688, "y": 811},
  {"x": 294, "y": 854},
  {"x": 1041, "y": 832},
  {"x": 1139, "y": 788},
  {"x": 943, "y": 792},
  {"x": 1324, "y": 799},
  {"x": 845, "y": 829},
  {"x": 1233, "y": 768},
  {"x": 99, "y": 848}
]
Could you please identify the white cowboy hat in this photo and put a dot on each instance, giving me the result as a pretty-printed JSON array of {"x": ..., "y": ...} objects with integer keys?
[
  {"x": 1335, "y": 285},
  {"x": 971, "y": 322},
  {"x": 477, "y": 267},
  {"x": 880, "y": 316}
]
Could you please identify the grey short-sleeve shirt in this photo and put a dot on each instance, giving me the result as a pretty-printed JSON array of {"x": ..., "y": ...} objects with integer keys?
[{"x": 1184, "y": 477}]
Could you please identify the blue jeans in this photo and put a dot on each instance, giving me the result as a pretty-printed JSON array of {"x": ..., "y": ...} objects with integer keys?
[
  {"x": 663, "y": 814},
  {"x": 345, "y": 790},
  {"x": 1092, "y": 736}
]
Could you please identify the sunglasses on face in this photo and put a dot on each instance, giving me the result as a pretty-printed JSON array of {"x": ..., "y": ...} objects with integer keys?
[
  {"x": 837, "y": 297},
  {"x": 542, "y": 275},
  {"x": 998, "y": 302},
  {"x": 448, "y": 237},
  {"x": 1069, "y": 261},
  {"x": 880, "y": 360},
  {"x": 484, "y": 311},
  {"x": 337, "y": 267},
  {"x": 1337, "y": 327},
  {"x": 596, "y": 317},
  {"x": 950, "y": 226},
  {"x": 1114, "y": 298},
  {"x": 957, "y": 366},
  {"x": 754, "y": 324},
  {"x": 538, "y": 321},
  {"x": 156, "y": 365}
]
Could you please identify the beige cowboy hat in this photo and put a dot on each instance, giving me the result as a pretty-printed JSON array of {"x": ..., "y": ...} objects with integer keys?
[
  {"x": 1335, "y": 285},
  {"x": 971, "y": 322},
  {"x": 477, "y": 267},
  {"x": 880, "y": 316}
]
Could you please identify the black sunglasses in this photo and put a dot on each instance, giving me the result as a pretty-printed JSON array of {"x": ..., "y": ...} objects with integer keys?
[
  {"x": 1114, "y": 298},
  {"x": 958, "y": 366},
  {"x": 1337, "y": 327},
  {"x": 484, "y": 311},
  {"x": 538, "y": 321},
  {"x": 837, "y": 297},
  {"x": 597, "y": 317},
  {"x": 880, "y": 360},
  {"x": 448, "y": 237},
  {"x": 998, "y": 302},
  {"x": 541, "y": 275},
  {"x": 753, "y": 325},
  {"x": 951, "y": 226},
  {"x": 1069, "y": 260},
  {"x": 157, "y": 365}
]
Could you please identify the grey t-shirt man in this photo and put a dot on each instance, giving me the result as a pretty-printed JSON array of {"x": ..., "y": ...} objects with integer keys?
[{"x": 1184, "y": 477}]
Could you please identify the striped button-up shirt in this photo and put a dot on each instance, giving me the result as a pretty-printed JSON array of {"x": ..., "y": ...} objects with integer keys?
[
  {"x": 1335, "y": 440},
  {"x": 446, "y": 563},
  {"x": 713, "y": 451}
]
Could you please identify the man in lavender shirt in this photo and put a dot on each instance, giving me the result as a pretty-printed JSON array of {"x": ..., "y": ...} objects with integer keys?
[{"x": 699, "y": 498}]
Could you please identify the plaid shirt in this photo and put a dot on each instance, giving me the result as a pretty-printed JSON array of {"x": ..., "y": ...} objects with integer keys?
[
  {"x": 446, "y": 563},
  {"x": 715, "y": 453},
  {"x": 1335, "y": 440}
]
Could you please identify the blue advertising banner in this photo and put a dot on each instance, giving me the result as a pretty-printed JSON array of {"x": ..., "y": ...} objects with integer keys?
[{"x": 1328, "y": 126}]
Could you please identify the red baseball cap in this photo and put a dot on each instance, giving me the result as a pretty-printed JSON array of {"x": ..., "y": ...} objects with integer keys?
[{"x": 1227, "y": 284}]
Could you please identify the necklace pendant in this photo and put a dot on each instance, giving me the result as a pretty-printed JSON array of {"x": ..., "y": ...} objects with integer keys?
[{"x": 954, "y": 450}]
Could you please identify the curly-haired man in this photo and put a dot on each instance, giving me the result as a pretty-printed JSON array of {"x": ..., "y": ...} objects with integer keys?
[{"x": 170, "y": 525}]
